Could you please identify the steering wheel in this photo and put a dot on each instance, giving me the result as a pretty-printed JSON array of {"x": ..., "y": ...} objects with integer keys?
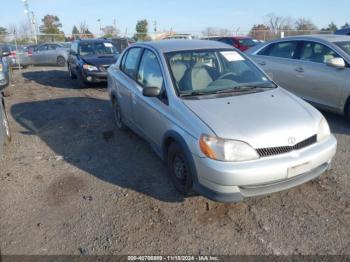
[{"x": 224, "y": 76}]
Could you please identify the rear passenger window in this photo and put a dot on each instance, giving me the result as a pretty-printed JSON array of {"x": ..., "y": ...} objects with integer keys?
[
  {"x": 129, "y": 65},
  {"x": 150, "y": 74},
  {"x": 317, "y": 53},
  {"x": 283, "y": 50}
]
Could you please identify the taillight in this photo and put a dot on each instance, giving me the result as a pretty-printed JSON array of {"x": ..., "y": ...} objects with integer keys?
[
  {"x": 12, "y": 54},
  {"x": 30, "y": 53}
]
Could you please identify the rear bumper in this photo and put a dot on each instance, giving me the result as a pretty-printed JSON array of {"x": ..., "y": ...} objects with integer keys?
[{"x": 232, "y": 182}]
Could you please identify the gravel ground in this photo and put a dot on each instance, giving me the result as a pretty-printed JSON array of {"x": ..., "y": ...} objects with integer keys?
[{"x": 71, "y": 183}]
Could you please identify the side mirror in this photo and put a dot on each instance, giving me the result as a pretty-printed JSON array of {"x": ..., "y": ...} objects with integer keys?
[
  {"x": 337, "y": 62},
  {"x": 151, "y": 91},
  {"x": 5, "y": 53}
]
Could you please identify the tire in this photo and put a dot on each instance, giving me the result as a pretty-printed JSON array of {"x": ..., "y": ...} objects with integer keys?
[
  {"x": 118, "y": 118},
  {"x": 179, "y": 170},
  {"x": 81, "y": 81},
  {"x": 61, "y": 61},
  {"x": 6, "y": 126},
  {"x": 71, "y": 74}
]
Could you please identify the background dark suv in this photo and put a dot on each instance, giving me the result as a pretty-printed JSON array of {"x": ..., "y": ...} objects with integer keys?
[{"x": 89, "y": 60}]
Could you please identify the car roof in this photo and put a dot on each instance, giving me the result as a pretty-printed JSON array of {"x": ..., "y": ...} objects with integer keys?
[
  {"x": 166, "y": 46},
  {"x": 328, "y": 38}
]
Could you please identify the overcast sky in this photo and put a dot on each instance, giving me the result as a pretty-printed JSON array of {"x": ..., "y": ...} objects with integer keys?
[{"x": 180, "y": 15}]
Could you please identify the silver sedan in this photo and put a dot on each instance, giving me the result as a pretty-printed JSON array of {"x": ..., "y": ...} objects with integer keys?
[
  {"x": 223, "y": 127},
  {"x": 316, "y": 68},
  {"x": 50, "y": 54}
]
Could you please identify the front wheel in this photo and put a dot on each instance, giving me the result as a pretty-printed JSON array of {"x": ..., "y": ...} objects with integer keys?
[
  {"x": 347, "y": 112},
  {"x": 81, "y": 82},
  {"x": 179, "y": 170},
  {"x": 61, "y": 61}
]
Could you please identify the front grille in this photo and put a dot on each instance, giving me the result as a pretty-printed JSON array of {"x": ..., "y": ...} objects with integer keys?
[
  {"x": 272, "y": 151},
  {"x": 104, "y": 68}
]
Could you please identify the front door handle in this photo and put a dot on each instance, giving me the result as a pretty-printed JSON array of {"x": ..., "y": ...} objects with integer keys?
[
  {"x": 262, "y": 63},
  {"x": 299, "y": 69}
]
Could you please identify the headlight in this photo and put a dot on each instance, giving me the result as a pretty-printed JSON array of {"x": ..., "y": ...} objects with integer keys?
[
  {"x": 323, "y": 130},
  {"x": 226, "y": 150},
  {"x": 90, "y": 67}
]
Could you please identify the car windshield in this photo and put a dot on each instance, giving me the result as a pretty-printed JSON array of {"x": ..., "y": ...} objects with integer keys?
[
  {"x": 97, "y": 48},
  {"x": 247, "y": 42},
  {"x": 215, "y": 71},
  {"x": 345, "y": 46}
]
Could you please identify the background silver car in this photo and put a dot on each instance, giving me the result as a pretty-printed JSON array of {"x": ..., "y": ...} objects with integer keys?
[
  {"x": 50, "y": 54},
  {"x": 223, "y": 127},
  {"x": 316, "y": 68}
]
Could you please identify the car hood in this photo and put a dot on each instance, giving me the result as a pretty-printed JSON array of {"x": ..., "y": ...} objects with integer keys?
[
  {"x": 101, "y": 60},
  {"x": 267, "y": 119}
]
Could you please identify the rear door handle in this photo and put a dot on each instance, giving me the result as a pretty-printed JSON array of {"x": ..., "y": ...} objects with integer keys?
[
  {"x": 263, "y": 63},
  {"x": 299, "y": 69}
]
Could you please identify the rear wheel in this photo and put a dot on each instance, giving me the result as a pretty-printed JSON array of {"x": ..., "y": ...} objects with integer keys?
[
  {"x": 61, "y": 61},
  {"x": 179, "y": 169},
  {"x": 71, "y": 74},
  {"x": 118, "y": 118}
]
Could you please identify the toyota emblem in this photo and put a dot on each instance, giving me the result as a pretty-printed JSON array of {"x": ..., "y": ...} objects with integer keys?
[{"x": 292, "y": 140}]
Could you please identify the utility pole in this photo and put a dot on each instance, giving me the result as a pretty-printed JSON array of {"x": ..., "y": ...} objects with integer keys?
[
  {"x": 31, "y": 17},
  {"x": 99, "y": 26}
]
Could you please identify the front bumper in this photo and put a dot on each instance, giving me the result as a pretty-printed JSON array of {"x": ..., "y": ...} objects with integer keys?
[
  {"x": 95, "y": 76},
  {"x": 232, "y": 182}
]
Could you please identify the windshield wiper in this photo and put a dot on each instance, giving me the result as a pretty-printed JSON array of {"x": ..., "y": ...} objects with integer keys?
[
  {"x": 196, "y": 93},
  {"x": 245, "y": 88}
]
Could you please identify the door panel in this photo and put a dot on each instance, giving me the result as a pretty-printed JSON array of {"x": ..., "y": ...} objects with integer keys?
[
  {"x": 281, "y": 70},
  {"x": 147, "y": 110},
  {"x": 316, "y": 81},
  {"x": 320, "y": 83}
]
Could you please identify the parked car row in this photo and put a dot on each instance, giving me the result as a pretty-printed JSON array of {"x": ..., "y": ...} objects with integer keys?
[{"x": 43, "y": 54}]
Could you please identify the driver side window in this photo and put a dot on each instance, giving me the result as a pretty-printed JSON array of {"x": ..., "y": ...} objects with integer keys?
[
  {"x": 317, "y": 53},
  {"x": 150, "y": 73}
]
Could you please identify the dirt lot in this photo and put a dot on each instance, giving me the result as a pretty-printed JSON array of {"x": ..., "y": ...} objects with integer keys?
[{"x": 71, "y": 183}]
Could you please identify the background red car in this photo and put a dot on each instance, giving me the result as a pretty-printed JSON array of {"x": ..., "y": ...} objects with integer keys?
[{"x": 243, "y": 43}]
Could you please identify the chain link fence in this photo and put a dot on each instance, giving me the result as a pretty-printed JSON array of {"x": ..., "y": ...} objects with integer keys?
[{"x": 21, "y": 47}]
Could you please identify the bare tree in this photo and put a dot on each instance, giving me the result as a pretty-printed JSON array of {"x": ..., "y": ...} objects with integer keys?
[
  {"x": 304, "y": 24},
  {"x": 84, "y": 30},
  {"x": 275, "y": 22},
  {"x": 110, "y": 31},
  {"x": 215, "y": 31},
  {"x": 210, "y": 31}
]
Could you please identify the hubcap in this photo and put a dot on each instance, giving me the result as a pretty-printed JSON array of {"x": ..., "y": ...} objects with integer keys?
[{"x": 180, "y": 168}]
